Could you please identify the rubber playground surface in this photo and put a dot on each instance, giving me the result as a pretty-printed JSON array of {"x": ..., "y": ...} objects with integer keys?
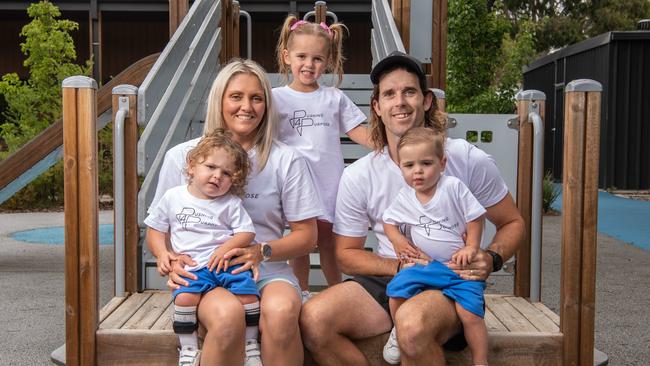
[{"x": 625, "y": 219}]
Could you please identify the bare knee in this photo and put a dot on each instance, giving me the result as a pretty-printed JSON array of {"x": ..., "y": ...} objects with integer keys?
[
  {"x": 425, "y": 323},
  {"x": 279, "y": 321},
  {"x": 411, "y": 332},
  {"x": 315, "y": 324}
]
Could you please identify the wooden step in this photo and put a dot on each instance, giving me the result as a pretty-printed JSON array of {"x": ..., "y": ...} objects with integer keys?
[{"x": 137, "y": 330}]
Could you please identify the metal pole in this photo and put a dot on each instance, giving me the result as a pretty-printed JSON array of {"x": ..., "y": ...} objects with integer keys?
[
  {"x": 536, "y": 212},
  {"x": 249, "y": 33},
  {"x": 118, "y": 176},
  {"x": 122, "y": 92}
]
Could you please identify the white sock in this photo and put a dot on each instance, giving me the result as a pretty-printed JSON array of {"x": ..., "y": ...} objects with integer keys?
[
  {"x": 186, "y": 314},
  {"x": 252, "y": 312}
]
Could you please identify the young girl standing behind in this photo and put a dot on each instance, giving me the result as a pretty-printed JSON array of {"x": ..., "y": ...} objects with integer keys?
[{"x": 312, "y": 119}]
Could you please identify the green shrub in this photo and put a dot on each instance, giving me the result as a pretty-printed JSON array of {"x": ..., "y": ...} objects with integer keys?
[
  {"x": 549, "y": 192},
  {"x": 34, "y": 104}
]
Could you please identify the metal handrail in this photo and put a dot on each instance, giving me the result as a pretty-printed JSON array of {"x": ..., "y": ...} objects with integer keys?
[
  {"x": 118, "y": 195},
  {"x": 172, "y": 97},
  {"x": 385, "y": 37},
  {"x": 249, "y": 33},
  {"x": 536, "y": 214}
]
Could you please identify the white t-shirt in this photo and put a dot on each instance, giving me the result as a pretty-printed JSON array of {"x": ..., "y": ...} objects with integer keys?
[
  {"x": 369, "y": 186},
  {"x": 198, "y": 226},
  {"x": 436, "y": 227},
  {"x": 312, "y": 123},
  {"x": 283, "y": 191}
]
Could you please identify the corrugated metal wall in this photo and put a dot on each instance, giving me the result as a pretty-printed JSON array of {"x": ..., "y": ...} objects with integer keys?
[{"x": 622, "y": 66}]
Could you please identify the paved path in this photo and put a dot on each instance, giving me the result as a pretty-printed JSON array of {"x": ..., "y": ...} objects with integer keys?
[{"x": 32, "y": 322}]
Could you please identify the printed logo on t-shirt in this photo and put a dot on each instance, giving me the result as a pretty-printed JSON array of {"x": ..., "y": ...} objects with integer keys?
[
  {"x": 251, "y": 195},
  {"x": 429, "y": 224},
  {"x": 188, "y": 215},
  {"x": 302, "y": 119}
]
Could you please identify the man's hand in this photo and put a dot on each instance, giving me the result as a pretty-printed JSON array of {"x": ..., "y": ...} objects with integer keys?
[{"x": 478, "y": 270}]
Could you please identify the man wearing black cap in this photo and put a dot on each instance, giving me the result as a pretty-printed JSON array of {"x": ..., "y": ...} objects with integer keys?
[{"x": 358, "y": 308}]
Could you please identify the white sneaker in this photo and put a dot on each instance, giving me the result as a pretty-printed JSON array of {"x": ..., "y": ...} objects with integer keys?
[
  {"x": 391, "y": 349},
  {"x": 306, "y": 295},
  {"x": 252, "y": 355},
  {"x": 189, "y": 356}
]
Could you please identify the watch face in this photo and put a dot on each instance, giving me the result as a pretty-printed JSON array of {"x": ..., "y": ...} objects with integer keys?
[{"x": 266, "y": 250}]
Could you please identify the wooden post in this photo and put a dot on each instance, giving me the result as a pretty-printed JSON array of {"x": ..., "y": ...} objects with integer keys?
[
  {"x": 437, "y": 70},
  {"x": 81, "y": 206},
  {"x": 131, "y": 186},
  {"x": 235, "y": 29},
  {"x": 320, "y": 9},
  {"x": 402, "y": 16},
  {"x": 580, "y": 212},
  {"x": 177, "y": 11},
  {"x": 525, "y": 184},
  {"x": 226, "y": 31}
]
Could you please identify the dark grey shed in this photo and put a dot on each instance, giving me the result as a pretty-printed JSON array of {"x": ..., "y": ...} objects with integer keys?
[{"x": 620, "y": 61}]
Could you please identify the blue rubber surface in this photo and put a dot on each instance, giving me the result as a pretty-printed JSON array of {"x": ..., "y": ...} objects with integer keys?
[
  {"x": 54, "y": 235},
  {"x": 625, "y": 219}
]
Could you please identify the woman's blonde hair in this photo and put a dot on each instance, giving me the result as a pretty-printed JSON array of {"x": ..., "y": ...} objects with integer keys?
[
  {"x": 222, "y": 139},
  {"x": 433, "y": 117},
  {"x": 419, "y": 135},
  {"x": 334, "y": 39},
  {"x": 267, "y": 128}
]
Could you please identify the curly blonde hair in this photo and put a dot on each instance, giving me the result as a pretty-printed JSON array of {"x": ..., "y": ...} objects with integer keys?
[
  {"x": 222, "y": 139},
  {"x": 334, "y": 42}
]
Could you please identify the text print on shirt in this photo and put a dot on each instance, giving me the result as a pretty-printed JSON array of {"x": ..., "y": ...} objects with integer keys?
[
  {"x": 302, "y": 119},
  {"x": 429, "y": 224},
  {"x": 189, "y": 215}
]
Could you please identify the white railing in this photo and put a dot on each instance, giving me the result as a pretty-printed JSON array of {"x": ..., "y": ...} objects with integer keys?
[{"x": 171, "y": 99}]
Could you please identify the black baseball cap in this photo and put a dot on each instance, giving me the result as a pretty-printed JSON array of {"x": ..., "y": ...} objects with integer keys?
[{"x": 398, "y": 58}]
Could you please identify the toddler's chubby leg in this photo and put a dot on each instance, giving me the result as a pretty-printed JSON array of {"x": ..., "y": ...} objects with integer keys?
[{"x": 475, "y": 334}]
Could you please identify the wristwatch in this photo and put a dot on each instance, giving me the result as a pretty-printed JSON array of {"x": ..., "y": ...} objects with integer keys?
[
  {"x": 266, "y": 251},
  {"x": 497, "y": 261}
]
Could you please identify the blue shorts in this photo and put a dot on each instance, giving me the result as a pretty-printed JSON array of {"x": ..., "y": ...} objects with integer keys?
[
  {"x": 238, "y": 284},
  {"x": 436, "y": 276}
]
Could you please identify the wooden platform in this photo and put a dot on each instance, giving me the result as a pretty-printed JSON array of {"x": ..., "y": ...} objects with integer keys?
[{"x": 138, "y": 330}]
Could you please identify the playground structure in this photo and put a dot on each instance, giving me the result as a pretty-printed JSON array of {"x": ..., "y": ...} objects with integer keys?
[{"x": 135, "y": 326}]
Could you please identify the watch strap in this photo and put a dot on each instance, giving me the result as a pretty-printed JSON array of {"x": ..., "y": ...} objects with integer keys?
[{"x": 497, "y": 260}]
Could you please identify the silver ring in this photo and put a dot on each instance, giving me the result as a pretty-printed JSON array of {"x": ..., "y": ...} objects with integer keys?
[{"x": 471, "y": 272}]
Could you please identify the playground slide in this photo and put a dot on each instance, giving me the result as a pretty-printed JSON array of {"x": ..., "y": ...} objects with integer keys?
[{"x": 44, "y": 150}]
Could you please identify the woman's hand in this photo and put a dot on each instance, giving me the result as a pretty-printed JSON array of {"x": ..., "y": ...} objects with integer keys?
[
  {"x": 478, "y": 270},
  {"x": 249, "y": 257},
  {"x": 420, "y": 258},
  {"x": 175, "y": 281},
  {"x": 164, "y": 262}
]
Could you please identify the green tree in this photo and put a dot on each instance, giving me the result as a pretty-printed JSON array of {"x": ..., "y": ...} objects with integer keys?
[
  {"x": 474, "y": 45},
  {"x": 616, "y": 15},
  {"x": 34, "y": 104}
]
